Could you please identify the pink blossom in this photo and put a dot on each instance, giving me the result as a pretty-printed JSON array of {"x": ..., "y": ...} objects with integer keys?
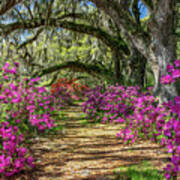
[
  {"x": 176, "y": 73},
  {"x": 170, "y": 68},
  {"x": 177, "y": 63},
  {"x": 167, "y": 79}
]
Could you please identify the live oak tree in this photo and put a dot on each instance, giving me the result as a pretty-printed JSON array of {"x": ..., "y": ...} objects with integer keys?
[
  {"x": 157, "y": 43},
  {"x": 155, "y": 40}
]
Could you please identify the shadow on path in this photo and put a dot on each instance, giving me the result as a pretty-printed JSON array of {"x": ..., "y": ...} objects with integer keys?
[{"x": 86, "y": 152}]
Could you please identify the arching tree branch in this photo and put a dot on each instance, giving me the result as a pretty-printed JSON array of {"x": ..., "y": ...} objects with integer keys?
[
  {"x": 109, "y": 40},
  {"x": 76, "y": 67},
  {"x": 130, "y": 30}
]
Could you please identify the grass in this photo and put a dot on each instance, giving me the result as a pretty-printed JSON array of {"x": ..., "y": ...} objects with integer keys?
[{"x": 138, "y": 172}]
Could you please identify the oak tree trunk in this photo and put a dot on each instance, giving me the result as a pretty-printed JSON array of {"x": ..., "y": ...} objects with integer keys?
[
  {"x": 163, "y": 48},
  {"x": 117, "y": 67}
]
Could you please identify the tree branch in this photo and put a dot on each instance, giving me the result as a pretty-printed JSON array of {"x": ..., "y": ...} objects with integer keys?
[
  {"x": 49, "y": 11},
  {"x": 130, "y": 30},
  {"x": 117, "y": 11},
  {"x": 19, "y": 14},
  {"x": 32, "y": 39},
  {"x": 6, "y": 5},
  {"x": 148, "y": 4},
  {"x": 29, "y": 11},
  {"x": 76, "y": 67},
  {"x": 136, "y": 11},
  {"x": 53, "y": 79},
  {"x": 72, "y": 15},
  {"x": 109, "y": 40}
]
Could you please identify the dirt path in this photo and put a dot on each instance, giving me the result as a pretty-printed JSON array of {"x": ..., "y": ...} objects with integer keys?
[{"x": 88, "y": 151}]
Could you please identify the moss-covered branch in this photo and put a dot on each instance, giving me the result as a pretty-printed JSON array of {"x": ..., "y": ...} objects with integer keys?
[
  {"x": 53, "y": 79},
  {"x": 113, "y": 42},
  {"x": 76, "y": 67}
]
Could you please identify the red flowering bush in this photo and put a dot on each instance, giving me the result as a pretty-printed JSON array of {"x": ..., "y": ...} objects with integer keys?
[{"x": 69, "y": 89}]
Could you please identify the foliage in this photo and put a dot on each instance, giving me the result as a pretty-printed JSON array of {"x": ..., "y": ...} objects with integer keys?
[
  {"x": 25, "y": 110},
  {"x": 13, "y": 156},
  {"x": 142, "y": 171},
  {"x": 32, "y": 31},
  {"x": 143, "y": 115}
]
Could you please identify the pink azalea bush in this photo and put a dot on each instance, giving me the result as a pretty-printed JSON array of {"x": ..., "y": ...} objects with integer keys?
[
  {"x": 13, "y": 156},
  {"x": 23, "y": 102},
  {"x": 113, "y": 104},
  {"x": 143, "y": 116},
  {"x": 171, "y": 128},
  {"x": 173, "y": 73},
  {"x": 25, "y": 109}
]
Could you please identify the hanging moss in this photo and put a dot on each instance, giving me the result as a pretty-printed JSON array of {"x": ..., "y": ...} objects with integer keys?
[{"x": 77, "y": 67}]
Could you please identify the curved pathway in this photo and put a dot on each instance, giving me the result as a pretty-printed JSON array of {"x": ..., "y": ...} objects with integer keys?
[{"x": 88, "y": 151}]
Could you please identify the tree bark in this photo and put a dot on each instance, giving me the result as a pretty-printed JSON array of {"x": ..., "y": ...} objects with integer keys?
[
  {"x": 159, "y": 61},
  {"x": 142, "y": 70},
  {"x": 117, "y": 67},
  {"x": 158, "y": 44},
  {"x": 163, "y": 48}
]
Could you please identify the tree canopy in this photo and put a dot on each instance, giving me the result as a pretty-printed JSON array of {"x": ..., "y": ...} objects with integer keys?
[{"x": 117, "y": 24}]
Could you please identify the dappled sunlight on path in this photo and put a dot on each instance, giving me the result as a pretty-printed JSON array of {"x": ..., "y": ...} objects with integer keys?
[{"x": 88, "y": 151}]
